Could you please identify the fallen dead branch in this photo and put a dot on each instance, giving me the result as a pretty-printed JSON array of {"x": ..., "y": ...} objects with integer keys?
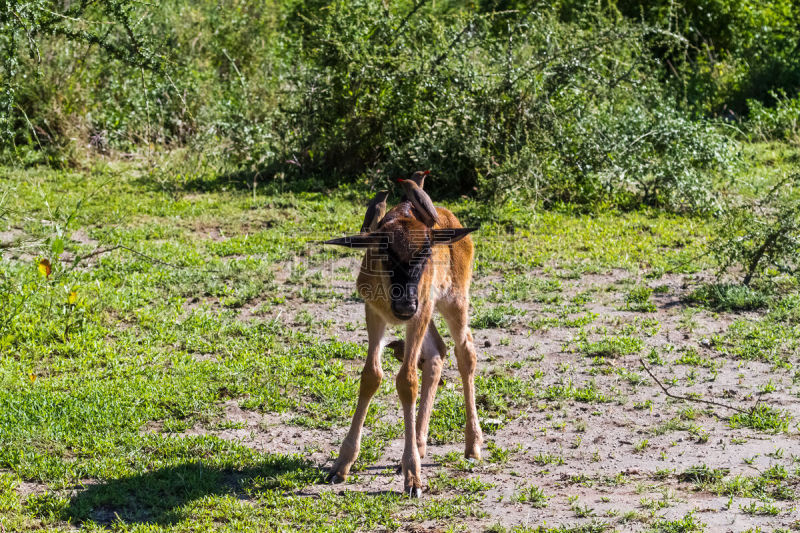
[{"x": 689, "y": 398}]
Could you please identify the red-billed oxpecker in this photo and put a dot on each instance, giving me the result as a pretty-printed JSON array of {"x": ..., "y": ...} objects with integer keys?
[
  {"x": 375, "y": 211},
  {"x": 421, "y": 202}
]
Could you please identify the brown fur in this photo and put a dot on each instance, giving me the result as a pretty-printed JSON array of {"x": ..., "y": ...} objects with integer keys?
[{"x": 443, "y": 286}]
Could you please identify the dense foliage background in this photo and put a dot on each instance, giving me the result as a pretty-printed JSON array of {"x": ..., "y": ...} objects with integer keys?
[{"x": 574, "y": 102}]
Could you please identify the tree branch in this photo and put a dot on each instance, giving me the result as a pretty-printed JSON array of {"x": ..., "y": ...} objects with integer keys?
[{"x": 689, "y": 398}]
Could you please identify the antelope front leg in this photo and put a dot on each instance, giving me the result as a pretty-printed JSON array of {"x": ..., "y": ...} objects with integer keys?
[
  {"x": 371, "y": 378},
  {"x": 407, "y": 386}
]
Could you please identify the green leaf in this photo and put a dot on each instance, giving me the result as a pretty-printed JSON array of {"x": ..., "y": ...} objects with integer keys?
[{"x": 57, "y": 246}]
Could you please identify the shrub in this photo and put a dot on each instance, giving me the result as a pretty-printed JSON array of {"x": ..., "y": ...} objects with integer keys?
[
  {"x": 554, "y": 105},
  {"x": 105, "y": 26},
  {"x": 519, "y": 105},
  {"x": 779, "y": 122},
  {"x": 761, "y": 236},
  {"x": 731, "y": 50},
  {"x": 199, "y": 74}
]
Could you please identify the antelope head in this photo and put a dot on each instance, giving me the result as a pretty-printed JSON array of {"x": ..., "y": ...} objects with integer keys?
[{"x": 399, "y": 252}]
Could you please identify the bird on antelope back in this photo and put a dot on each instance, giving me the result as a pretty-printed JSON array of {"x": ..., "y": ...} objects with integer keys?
[
  {"x": 376, "y": 208},
  {"x": 426, "y": 211},
  {"x": 375, "y": 211},
  {"x": 419, "y": 176},
  {"x": 410, "y": 269}
]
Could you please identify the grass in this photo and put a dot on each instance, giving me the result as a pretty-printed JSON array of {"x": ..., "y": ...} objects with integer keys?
[
  {"x": 612, "y": 346},
  {"x": 763, "y": 418},
  {"x": 702, "y": 474},
  {"x": 500, "y": 316},
  {"x": 497, "y": 399},
  {"x": 563, "y": 320},
  {"x": 587, "y": 393},
  {"x": 764, "y": 340},
  {"x": 730, "y": 297},
  {"x": 531, "y": 495},
  {"x": 638, "y": 300},
  {"x": 443, "y": 481},
  {"x": 688, "y": 524},
  {"x": 690, "y": 357},
  {"x": 765, "y": 486},
  {"x": 521, "y": 288},
  {"x": 117, "y": 369}
]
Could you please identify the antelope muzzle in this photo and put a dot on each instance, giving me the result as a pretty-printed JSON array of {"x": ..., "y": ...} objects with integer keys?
[{"x": 404, "y": 301}]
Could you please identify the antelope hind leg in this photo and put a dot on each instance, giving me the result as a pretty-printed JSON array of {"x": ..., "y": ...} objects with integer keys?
[
  {"x": 432, "y": 355},
  {"x": 458, "y": 324}
]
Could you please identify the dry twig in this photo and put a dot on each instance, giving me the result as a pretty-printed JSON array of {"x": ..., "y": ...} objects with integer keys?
[{"x": 689, "y": 398}]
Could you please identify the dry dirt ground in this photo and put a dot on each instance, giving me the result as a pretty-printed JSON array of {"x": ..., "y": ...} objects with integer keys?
[{"x": 617, "y": 462}]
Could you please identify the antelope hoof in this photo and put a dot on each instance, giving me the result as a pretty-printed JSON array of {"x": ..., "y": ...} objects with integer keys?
[
  {"x": 414, "y": 492},
  {"x": 474, "y": 454},
  {"x": 473, "y": 451},
  {"x": 334, "y": 478}
]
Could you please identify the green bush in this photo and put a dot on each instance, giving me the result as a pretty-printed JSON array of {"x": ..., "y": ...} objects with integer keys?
[
  {"x": 731, "y": 50},
  {"x": 761, "y": 238},
  {"x": 65, "y": 39},
  {"x": 779, "y": 122},
  {"x": 521, "y": 105},
  {"x": 560, "y": 105},
  {"x": 196, "y": 74}
]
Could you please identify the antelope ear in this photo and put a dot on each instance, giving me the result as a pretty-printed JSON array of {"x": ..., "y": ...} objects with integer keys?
[
  {"x": 362, "y": 240},
  {"x": 450, "y": 235}
]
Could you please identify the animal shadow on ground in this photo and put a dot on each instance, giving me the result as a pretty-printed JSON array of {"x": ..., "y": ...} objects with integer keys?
[{"x": 159, "y": 496}]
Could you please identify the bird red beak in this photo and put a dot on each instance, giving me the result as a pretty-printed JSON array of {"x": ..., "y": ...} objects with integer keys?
[
  {"x": 400, "y": 180},
  {"x": 427, "y": 172}
]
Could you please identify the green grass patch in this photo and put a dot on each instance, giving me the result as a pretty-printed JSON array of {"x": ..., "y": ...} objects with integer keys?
[
  {"x": 497, "y": 398},
  {"x": 498, "y": 316},
  {"x": 562, "y": 321},
  {"x": 442, "y": 481},
  {"x": 531, "y": 495},
  {"x": 702, "y": 474},
  {"x": 691, "y": 357},
  {"x": 775, "y": 483},
  {"x": 638, "y": 299},
  {"x": 522, "y": 288},
  {"x": 688, "y": 524},
  {"x": 587, "y": 393},
  {"x": 612, "y": 346},
  {"x": 760, "y": 340},
  {"x": 729, "y": 297},
  {"x": 763, "y": 418}
]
